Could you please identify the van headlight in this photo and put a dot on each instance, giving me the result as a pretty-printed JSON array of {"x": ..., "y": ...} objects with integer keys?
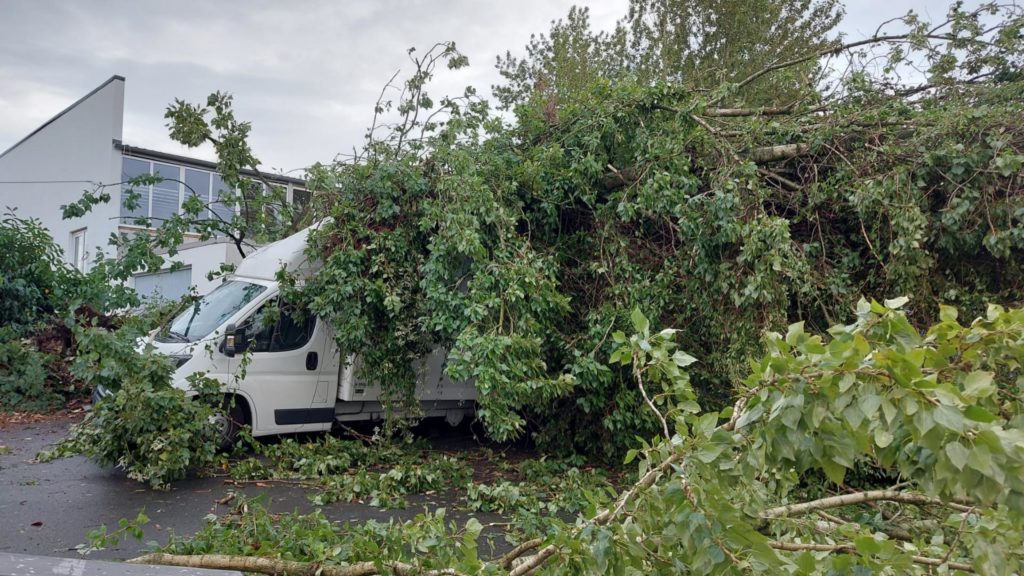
[{"x": 180, "y": 359}]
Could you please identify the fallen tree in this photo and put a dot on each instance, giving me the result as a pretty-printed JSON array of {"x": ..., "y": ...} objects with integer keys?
[
  {"x": 522, "y": 247},
  {"x": 729, "y": 492}
]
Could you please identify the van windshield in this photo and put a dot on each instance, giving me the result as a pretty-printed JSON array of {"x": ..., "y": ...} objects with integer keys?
[{"x": 206, "y": 315}]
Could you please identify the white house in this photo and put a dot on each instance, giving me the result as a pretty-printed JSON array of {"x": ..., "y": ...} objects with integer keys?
[{"x": 80, "y": 148}]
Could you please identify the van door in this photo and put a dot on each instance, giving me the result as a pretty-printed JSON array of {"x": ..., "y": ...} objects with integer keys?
[{"x": 286, "y": 348}]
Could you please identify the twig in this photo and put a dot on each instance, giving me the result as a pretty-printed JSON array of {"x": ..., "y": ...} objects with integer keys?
[{"x": 638, "y": 374}]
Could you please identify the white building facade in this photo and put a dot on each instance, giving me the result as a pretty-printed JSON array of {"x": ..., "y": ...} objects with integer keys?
[{"x": 81, "y": 148}]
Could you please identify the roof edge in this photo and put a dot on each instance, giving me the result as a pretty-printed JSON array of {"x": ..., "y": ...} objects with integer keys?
[
  {"x": 137, "y": 152},
  {"x": 63, "y": 112}
]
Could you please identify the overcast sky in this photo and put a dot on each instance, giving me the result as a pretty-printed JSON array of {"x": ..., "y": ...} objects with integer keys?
[{"x": 306, "y": 74}]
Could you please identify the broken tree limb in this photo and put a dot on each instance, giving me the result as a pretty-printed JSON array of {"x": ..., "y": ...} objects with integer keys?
[
  {"x": 507, "y": 559},
  {"x": 850, "y": 549},
  {"x": 275, "y": 566},
  {"x": 766, "y": 154},
  {"x": 783, "y": 181},
  {"x": 860, "y": 498},
  {"x": 847, "y": 47},
  {"x": 738, "y": 112}
]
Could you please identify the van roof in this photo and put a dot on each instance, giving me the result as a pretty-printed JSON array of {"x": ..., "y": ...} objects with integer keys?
[{"x": 289, "y": 253}]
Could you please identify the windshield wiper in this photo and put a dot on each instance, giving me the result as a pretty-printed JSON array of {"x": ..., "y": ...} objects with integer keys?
[{"x": 177, "y": 336}]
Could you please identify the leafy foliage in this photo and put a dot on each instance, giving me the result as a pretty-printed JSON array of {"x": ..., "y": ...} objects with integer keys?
[
  {"x": 42, "y": 301},
  {"x": 33, "y": 277},
  {"x": 153, "y": 431},
  {"x": 520, "y": 247},
  {"x": 733, "y": 491},
  {"x": 23, "y": 378},
  {"x": 699, "y": 45}
]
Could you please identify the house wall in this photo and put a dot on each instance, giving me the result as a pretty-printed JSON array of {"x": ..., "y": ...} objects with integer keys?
[
  {"x": 200, "y": 258},
  {"x": 48, "y": 168}
]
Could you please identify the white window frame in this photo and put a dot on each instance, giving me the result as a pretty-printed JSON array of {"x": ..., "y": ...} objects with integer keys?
[{"x": 79, "y": 251}]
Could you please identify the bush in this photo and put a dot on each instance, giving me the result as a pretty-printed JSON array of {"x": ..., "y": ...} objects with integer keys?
[
  {"x": 34, "y": 276},
  {"x": 24, "y": 378},
  {"x": 153, "y": 431}
]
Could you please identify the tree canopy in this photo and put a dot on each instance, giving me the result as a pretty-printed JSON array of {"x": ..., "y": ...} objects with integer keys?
[{"x": 700, "y": 45}]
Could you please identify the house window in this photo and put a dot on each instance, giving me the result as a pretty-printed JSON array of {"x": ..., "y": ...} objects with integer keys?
[
  {"x": 222, "y": 199},
  {"x": 163, "y": 199},
  {"x": 133, "y": 168},
  {"x": 197, "y": 184},
  {"x": 301, "y": 199},
  {"x": 159, "y": 201},
  {"x": 166, "y": 284},
  {"x": 79, "y": 257},
  {"x": 166, "y": 193}
]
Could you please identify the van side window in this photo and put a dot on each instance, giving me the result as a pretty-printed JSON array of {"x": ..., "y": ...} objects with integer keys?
[{"x": 279, "y": 327}]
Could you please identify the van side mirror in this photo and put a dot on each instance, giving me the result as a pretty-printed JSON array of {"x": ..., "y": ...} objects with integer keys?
[{"x": 235, "y": 340}]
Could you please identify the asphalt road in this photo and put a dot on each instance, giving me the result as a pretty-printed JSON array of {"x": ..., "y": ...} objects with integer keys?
[{"x": 48, "y": 508}]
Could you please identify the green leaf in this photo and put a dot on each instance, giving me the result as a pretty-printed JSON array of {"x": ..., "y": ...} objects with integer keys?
[
  {"x": 640, "y": 322},
  {"x": 836, "y": 472},
  {"x": 708, "y": 453},
  {"x": 749, "y": 416},
  {"x": 947, "y": 313},
  {"x": 869, "y": 404},
  {"x": 949, "y": 418},
  {"x": 896, "y": 303},
  {"x": 978, "y": 384},
  {"x": 867, "y": 545},
  {"x": 957, "y": 454},
  {"x": 981, "y": 460},
  {"x": 883, "y": 438},
  {"x": 682, "y": 359},
  {"x": 979, "y": 414}
]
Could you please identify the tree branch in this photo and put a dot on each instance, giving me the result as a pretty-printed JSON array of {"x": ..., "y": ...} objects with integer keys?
[
  {"x": 506, "y": 560},
  {"x": 737, "y": 112},
  {"x": 860, "y": 498},
  {"x": 849, "y": 548},
  {"x": 275, "y": 566},
  {"x": 602, "y": 518},
  {"x": 766, "y": 154},
  {"x": 844, "y": 48}
]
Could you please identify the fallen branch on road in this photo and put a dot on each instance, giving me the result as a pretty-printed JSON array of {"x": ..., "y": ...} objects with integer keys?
[{"x": 276, "y": 566}]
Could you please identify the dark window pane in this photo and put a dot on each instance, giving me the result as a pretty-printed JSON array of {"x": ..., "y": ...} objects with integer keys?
[
  {"x": 224, "y": 209},
  {"x": 294, "y": 329},
  {"x": 274, "y": 329},
  {"x": 197, "y": 184},
  {"x": 301, "y": 199},
  {"x": 133, "y": 168},
  {"x": 166, "y": 193}
]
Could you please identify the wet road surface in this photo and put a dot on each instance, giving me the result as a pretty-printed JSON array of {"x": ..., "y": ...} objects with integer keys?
[{"x": 48, "y": 508}]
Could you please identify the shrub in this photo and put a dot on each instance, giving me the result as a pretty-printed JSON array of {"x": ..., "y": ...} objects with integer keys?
[
  {"x": 155, "y": 432},
  {"x": 34, "y": 277},
  {"x": 24, "y": 378}
]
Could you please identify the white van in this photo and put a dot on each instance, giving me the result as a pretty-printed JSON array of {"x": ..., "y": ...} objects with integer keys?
[{"x": 296, "y": 379}]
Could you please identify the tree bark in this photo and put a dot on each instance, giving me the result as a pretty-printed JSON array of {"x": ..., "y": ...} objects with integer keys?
[
  {"x": 860, "y": 498},
  {"x": 275, "y": 566},
  {"x": 766, "y": 154}
]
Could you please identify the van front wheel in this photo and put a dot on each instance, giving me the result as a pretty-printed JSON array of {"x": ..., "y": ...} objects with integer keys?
[{"x": 228, "y": 422}]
